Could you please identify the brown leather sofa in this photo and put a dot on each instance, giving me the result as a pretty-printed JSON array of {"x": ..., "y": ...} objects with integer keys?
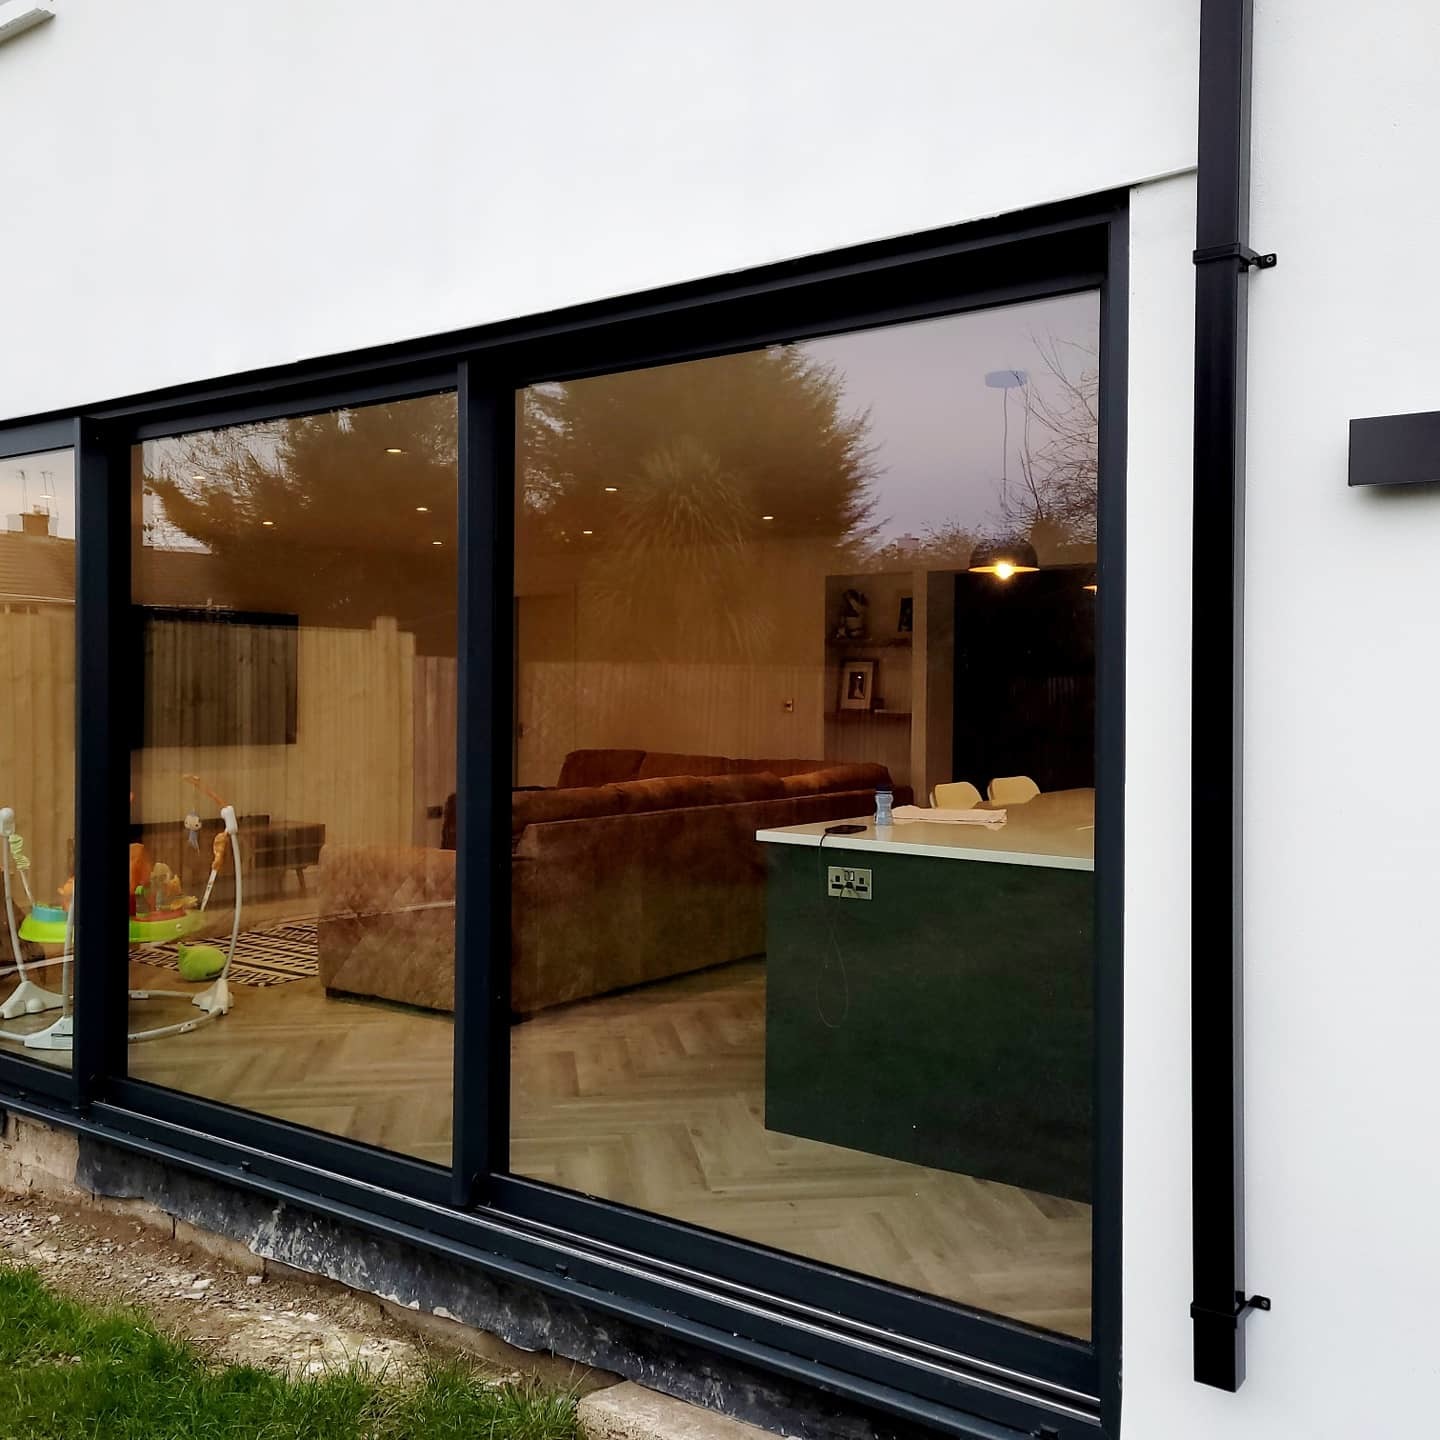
[{"x": 616, "y": 881}]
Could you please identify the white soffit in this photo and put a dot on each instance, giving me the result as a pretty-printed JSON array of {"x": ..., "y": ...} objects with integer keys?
[{"x": 17, "y": 16}]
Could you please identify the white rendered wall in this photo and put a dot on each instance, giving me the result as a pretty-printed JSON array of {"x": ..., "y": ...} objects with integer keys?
[
  {"x": 1342, "y": 637},
  {"x": 191, "y": 189}
]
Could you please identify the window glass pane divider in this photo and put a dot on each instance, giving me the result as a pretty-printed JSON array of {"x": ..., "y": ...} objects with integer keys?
[
  {"x": 102, "y": 608},
  {"x": 1111, "y": 569},
  {"x": 483, "y": 763}
]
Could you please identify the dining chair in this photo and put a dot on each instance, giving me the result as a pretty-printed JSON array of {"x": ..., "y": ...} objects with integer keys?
[
  {"x": 1012, "y": 790},
  {"x": 956, "y": 795}
]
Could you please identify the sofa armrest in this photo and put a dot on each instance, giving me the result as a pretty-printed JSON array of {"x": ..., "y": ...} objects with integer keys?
[{"x": 386, "y": 927}]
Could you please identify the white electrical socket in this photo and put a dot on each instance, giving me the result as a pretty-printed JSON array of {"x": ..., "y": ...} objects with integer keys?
[{"x": 849, "y": 882}]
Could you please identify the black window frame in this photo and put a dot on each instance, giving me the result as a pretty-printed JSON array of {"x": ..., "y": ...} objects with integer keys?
[{"x": 949, "y": 1367}]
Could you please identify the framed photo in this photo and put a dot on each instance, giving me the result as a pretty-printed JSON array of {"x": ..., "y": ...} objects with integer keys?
[
  {"x": 857, "y": 684},
  {"x": 905, "y": 621}
]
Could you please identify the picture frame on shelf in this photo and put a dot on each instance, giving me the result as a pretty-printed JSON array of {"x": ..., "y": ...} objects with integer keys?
[{"x": 857, "y": 685}]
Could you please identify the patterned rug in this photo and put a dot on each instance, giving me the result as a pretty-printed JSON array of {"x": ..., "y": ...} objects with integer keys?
[{"x": 270, "y": 956}]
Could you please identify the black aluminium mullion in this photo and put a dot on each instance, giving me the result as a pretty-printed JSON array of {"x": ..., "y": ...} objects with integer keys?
[
  {"x": 1106, "y": 1232},
  {"x": 102, "y": 809},
  {"x": 482, "y": 878},
  {"x": 1217, "y": 704}
]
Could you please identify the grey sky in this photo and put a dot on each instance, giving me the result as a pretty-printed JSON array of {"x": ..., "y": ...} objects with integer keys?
[
  {"x": 937, "y": 426},
  {"x": 29, "y": 480}
]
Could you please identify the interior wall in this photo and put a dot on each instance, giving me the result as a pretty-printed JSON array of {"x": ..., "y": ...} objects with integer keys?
[
  {"x": 740, "y": 674},
  {"x": 686, "y": 140}
]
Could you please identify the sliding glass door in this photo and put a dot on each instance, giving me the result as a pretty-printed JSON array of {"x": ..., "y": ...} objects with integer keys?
[{"x": 803, "y": 815}]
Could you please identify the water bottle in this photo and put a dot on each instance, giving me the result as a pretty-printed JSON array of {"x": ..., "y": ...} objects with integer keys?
[{"x": 884, "y": 807}]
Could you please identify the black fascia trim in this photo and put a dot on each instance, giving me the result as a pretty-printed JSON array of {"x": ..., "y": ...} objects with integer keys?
[
  {"x": 498, "y": 1247},
  {"x": 1217, "y": 701},
  {"x": 253, "y": 405},
  {"x": 37, "y": 437},
  {"x": 417, "y": 362}
]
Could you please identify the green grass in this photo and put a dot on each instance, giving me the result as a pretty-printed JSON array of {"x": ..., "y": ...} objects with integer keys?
[{"x": 71, "y": 1372}]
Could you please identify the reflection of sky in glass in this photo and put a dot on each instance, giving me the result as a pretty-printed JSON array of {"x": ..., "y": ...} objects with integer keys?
[
  {"x": 44, "y": 482},
  {"x": 939, "y": 431}
]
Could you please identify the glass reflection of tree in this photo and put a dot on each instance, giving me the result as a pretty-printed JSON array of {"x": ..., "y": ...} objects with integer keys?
[
  {"x": 334, "y": 516},
  {"x": 681, "y": 496}
]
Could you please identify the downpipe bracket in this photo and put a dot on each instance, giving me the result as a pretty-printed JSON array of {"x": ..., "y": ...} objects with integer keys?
[
  {"x": 1243, "y": 1304},
  {"x": 1243, "y": 255}
]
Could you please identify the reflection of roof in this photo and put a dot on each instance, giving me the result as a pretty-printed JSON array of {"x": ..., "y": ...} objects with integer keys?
[
  {"x": 40, "y": 570},
  {"x": 36, "y": 569}
]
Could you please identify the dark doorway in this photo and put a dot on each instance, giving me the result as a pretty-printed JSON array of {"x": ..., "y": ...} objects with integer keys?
[{"x": 1025, "y": 677}]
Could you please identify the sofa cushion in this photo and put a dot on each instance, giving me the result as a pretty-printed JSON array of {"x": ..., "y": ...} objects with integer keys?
[
  {"x": 866, "y": 776},
  {"x": 679, "y": 792},
  {"x": 599, "y": 767},
  {"x": 774, "y": 767},
  {"x": 582, "y": 802},
  {"x": 658, "y": 763}
]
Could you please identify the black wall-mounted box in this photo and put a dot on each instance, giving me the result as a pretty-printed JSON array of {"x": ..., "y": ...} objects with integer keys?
[{"x": 1395, "y": 449}]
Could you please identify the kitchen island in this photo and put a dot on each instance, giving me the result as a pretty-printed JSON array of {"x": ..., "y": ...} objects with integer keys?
[{"x": 947, "y": 1020}]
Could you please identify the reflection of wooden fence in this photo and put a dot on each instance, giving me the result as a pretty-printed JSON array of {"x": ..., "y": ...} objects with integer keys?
[
  {"x": 37, "y": 738},
  {"x": 351, "y": 769}
]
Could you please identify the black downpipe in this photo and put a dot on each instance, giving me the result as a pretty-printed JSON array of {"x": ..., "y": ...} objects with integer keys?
[{"x": 1223, "y": 261}]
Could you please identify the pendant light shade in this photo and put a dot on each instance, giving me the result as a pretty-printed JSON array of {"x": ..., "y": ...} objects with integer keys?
[{"x": 1004, "y": 558}]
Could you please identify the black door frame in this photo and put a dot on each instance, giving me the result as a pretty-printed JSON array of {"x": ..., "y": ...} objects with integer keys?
[{"x": 903, "y": 1352}]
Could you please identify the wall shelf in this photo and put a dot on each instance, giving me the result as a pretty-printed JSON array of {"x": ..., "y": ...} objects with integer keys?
[{"x": 853, "y": 715}]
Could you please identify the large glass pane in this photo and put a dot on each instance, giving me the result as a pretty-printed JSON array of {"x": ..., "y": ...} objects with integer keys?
[
  {"x": 37, "y": 752},
  {"x": 754, "y": 593},
  {"x": 292, "y": 866}
]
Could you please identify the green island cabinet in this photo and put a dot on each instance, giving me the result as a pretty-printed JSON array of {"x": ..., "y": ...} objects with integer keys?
[{"x": 948, "y": 1019}]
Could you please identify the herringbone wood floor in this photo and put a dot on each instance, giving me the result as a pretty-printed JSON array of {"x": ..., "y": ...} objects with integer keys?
[{"x": 653, "y": 1098}]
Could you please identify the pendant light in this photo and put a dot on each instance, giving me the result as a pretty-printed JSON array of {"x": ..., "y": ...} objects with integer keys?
[{"x": 1004, "y": 558}]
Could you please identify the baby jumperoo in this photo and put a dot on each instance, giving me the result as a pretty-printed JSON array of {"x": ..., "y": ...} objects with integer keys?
[{"x": 159, "y": 914}]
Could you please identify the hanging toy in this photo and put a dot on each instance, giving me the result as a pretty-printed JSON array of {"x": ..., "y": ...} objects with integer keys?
[
  {"x": 192, "y": 831},
  {"x": 17, "y": 850},
  {"x": 22, "y": 864}
]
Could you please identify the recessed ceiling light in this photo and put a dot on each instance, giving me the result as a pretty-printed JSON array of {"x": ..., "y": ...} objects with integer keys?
[
  {"x": 267, "y": 522},
  {"x": 767, "y": 517},
  {"x": 437, "y": 542},
  {"x": 422, "y": 509},
  {"x": 612, "y": 489},
  {"x": 197, "y": 477},
  {"x": 393, "y": 450},
  {"x": 587, "y": 532}
]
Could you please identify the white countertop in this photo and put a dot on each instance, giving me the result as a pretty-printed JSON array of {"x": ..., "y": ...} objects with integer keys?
[{"x": 1053, "y": 831}]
